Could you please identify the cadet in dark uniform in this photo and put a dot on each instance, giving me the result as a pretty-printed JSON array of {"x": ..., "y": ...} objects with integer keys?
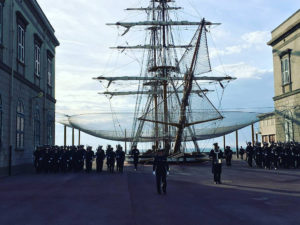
[
  {"x": 89, "y": 159},
  {"x": 216, "y": 155},
  {"x": 108, "y": 155},
  {"x": 100, "y": 158},
  {"x": 161, "y": 170},
  {"x": 38, "y": 159},
  {"x": 111, "y": 160},
  {"x": 228, "y": 155},
  {"x": 135, "y": 153},
  {"x": 242, "y": 152},
  {"x": 297, "y": 156},
  {"x": 80, "y": 157},
  {"x": 259, "y": 155},
  {"x": 120, "y": 157},
  {"x": 268, "y": 156},
  {"x": 56, "y": 160},
  {"x": 249, "y": 151}
]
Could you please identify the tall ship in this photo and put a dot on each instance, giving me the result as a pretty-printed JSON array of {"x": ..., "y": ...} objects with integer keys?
[{"x": 172, "y": 87}]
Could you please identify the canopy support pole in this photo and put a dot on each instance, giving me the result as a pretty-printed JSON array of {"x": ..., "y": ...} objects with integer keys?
[
  {"x": 79, "y": 136},
  {"x": 73, "y": 137},
  {"x": 125, "y": 142},
  {"x": 224, "y": 142},
  {"x": 65, "y": 135},
  {"x": 237, "y": 143},
  {"x": 252, "y": 131}
]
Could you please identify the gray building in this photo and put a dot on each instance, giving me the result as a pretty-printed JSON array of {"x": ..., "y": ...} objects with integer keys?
[{"x": 27, "y": 82}]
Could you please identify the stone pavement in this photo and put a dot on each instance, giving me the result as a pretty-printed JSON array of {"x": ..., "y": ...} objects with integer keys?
[{"x": 247, "y": 196}]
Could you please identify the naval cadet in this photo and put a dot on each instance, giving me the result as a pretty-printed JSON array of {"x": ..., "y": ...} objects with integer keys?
[
  {"x": 228, "y": 155},
  {"x": 161, "y": 170},
  {"x": 249, "y": 151},
  {"x": 216, "y": 155},
  {"x": 38, "y": 159},
  {"x": 135, "y": 153},
  {"x": 120, "y": 158},
  {"x": 89, "y": 159},
  {"x": 100, "y": 156},
  {"x": 111, "y": 160}
]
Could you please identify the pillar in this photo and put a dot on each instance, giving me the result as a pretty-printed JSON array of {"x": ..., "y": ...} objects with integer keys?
[
  {"x": 224, "y": 142},
  {"x": 237, "y": 143},
  {"x": 73, "y": 136},
  {"x": 125, "y": 142},
  {"x": 65, "y": 135},
  {"x": 79, "y": 136},
  {"x": 252, "y": 130}
]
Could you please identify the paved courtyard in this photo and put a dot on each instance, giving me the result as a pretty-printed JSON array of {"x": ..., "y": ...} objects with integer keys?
[{"x": 247, "y": 196}]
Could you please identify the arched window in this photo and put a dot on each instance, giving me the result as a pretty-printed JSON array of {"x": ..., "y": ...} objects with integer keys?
[
  {"x": 50, "y": 129},
  {"x": 1, "y": 121},
  {"x": 20, "y": 125},
  {"x": 37, "y": 127}
]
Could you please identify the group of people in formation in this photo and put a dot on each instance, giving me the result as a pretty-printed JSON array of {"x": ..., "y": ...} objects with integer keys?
[
  {"x": 268, "y": 156},
  {"x": 272, "y": 156},
  {"x": 56, "y": 159}
]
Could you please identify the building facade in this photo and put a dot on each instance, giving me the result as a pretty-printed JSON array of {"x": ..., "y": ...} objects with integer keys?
[
  {"x": 27, "y": 82},
  {"x": 285, "y": 45}
]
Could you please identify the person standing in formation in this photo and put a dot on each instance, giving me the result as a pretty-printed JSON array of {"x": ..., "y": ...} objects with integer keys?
[
  {"x": 89, "y": 157},
  {"x": 120, "y": 157},
  {"x": 100, "y": 156},
  {"x": 216, "y": 155},
  {"x": 228, "y": 155},
  {"x": 249, "y": 151}
]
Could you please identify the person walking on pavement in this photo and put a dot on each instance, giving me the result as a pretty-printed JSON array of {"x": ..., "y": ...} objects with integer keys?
[
  {"x": 135, "y": 153},
  {"x": 161, "y": 170}
]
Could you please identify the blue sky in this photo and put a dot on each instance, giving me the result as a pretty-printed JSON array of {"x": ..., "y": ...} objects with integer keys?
[{"x": 240, "y": 43}]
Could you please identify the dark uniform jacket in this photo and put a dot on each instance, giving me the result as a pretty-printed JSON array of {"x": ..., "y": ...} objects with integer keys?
[{"x": 160, "y": 165}]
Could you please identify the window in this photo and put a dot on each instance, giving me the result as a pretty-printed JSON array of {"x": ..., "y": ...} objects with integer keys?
[
  {"x": 37, "y": 59},
  {"x": 1, "y": 122},
  {"x": 288, "y": 129},
  {"x": 265, "y": 138},
  {"x": 272, "y": 138},
  {"x": 37, "y": 127},
  {"x": 1, "y": 23},
  {"x": 285, "y": 70},
  {"x": 20, "y": 125},
  {"x": 49, "y": 71},
  {"x": 50, "y": 130},
  {"x": 21, "y": 44}
]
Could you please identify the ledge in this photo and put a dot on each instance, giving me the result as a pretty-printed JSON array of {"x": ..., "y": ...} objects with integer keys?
[
  {"x": 25, "y": 81},
  {"x": 276, "y": 98}
]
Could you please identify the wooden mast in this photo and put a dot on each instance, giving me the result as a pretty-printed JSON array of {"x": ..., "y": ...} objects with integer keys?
[
  {"x": 187, "y": 91},
  {"x": 165, "y": 75},
  {"x": 155, "y": 86}
]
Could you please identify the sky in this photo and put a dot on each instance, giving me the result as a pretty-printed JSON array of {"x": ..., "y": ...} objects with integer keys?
[{"x": 239, "y": 45}]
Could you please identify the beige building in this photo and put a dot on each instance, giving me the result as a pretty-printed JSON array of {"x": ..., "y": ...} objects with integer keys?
[
  {"x": 267, "y": 127},
  {"x": 286, "y": 59}
]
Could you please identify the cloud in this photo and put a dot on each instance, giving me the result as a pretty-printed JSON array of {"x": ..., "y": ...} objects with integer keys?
[
  {"x": 255, "y": 39},
  {"x": 243, "y": 70}
]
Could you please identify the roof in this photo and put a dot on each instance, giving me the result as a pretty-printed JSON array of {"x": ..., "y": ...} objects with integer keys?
[
  {"x": 39, "y": 14},
  {"x": 280, "y": 32}
]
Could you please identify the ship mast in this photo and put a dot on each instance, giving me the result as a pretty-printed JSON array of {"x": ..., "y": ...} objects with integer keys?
[
  {"x": 155, "y": 96},
  {"x": 161, "y": 71},
  {"x": 165, "y": 75}
]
